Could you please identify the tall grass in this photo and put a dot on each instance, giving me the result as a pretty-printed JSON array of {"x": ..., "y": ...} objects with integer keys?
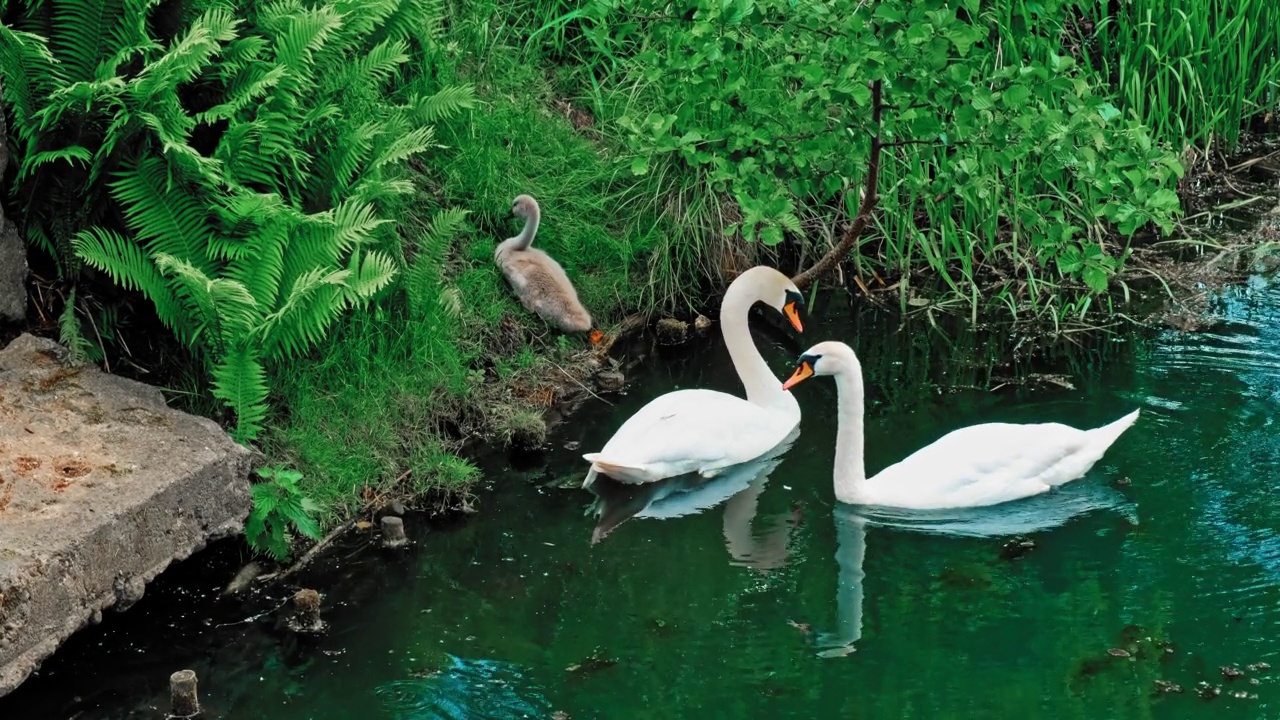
[{"x": 1195, "y": 71}]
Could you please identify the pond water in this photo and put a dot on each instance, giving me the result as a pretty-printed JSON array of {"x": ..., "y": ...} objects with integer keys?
[{"x": 779, "y": 602}]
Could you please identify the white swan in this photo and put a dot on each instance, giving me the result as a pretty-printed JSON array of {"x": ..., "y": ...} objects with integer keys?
[
  {"x": 705, "y": 431},
  {"x": 974, "y": 466}
]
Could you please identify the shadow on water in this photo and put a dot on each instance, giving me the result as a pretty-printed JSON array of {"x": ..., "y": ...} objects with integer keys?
[{"x": 757, "y": 595}]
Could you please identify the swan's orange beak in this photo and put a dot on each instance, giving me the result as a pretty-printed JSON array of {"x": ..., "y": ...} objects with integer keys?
[
  {"x": 802, "y": 373},
  {"x": 793, "y": 315}
]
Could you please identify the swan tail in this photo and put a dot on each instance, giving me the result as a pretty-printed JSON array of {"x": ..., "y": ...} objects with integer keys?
[
  {"x": 621, "y": 472},
  {"x": 1103, "y": 437}
]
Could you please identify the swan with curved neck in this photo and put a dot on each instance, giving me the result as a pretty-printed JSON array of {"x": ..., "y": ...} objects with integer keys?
[
  {"x": 537, "y": 279},
  {"x": 974, "y": 466},
  {"x": 706, "y": 431}
]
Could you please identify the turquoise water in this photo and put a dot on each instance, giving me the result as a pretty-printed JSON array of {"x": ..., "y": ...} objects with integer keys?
[{"x": 777, "y": 602}]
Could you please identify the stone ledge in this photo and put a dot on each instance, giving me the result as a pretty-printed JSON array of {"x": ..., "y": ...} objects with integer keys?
[{"x": 102, "y": 486}]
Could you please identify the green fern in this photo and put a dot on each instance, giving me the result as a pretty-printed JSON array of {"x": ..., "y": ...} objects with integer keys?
[
  {"x": 250, "y": 249},
  {"x": 79, "y": 349}
]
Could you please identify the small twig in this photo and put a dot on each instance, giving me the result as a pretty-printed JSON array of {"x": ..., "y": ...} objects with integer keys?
[{"x": 579, "y": 384}]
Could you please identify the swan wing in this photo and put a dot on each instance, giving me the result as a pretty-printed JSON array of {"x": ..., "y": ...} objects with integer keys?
[
  {"x": 687, "y": 431},
  {"x": 987, "y": 464}
]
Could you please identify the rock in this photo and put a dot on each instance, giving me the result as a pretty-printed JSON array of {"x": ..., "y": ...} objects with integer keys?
[
  {"x": 13, "y": 254},
  {"x": 1230, "y": 672},
  {"x": 1166, "y": 686},
  {"x": 1016, "y": 548},
  {"x": 610, "y": 381},
  {"x": 672, "y": 331},
  {"x": 102, "y": 487}
]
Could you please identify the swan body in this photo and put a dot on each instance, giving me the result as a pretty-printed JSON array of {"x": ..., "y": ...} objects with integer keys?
[
  {"x": 974, "y": 466},
  {"x": 536, "y": 278},
  {"x": 706, "y": 431}
]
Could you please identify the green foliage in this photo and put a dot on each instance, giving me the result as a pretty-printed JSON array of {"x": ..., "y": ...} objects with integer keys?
[
  {"x": 1000, "y": 151},
  {"x": 251, "y": 158},
  {"x": 1193, "y": 70},
  {"x": 280, "y": 507}
]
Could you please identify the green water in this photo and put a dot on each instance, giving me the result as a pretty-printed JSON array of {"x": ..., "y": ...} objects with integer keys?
[{"x": 1170, "y": 540}]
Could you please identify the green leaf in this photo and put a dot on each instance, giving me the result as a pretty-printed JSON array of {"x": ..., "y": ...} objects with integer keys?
[{"x": 1095, "y": 277}]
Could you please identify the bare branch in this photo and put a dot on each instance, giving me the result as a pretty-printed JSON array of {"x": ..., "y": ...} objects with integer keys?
[{"x": 869, "y": 199}]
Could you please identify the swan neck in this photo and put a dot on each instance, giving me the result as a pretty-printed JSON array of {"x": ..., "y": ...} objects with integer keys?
[
  {"x": 762, "y": 387},
  {"x": 525, "y": 238},
  {"x": 850, "y": 468}
]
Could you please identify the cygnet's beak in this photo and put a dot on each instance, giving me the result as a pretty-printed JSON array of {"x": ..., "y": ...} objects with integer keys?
[
  {"x": 793, "y": 315},
  {"x": 802, "y": 373}
]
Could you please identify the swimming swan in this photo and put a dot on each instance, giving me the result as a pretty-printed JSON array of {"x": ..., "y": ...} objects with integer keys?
[
  {"x": 706, "y": 431},
  {"x": 975, "y": 466},
  {"x": 538, "y": 280}
]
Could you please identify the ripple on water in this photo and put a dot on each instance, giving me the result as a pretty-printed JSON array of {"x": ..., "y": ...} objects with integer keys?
[{"x": 466, "y": 689}]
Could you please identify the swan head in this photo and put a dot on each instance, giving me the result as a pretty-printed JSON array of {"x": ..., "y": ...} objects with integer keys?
[
  {"x": 524, "y": 207},
  {"x": 825, "y": 358},
  {"x": 772, "y": 288}
]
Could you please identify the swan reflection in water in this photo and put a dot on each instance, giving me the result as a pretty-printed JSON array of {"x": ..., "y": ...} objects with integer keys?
[
  {"x": 1020, "y": 517},
  {"x": 738, "y": 487}
]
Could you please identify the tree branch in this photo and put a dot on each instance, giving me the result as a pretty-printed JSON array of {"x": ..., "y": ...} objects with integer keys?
[{"x": 869, "y": 199}]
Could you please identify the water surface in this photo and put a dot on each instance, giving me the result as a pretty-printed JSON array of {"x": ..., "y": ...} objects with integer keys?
[{"x": 778, "y": 602}]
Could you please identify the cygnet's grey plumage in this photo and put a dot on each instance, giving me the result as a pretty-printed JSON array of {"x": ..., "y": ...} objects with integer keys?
[{"x": 538, "y": 280}]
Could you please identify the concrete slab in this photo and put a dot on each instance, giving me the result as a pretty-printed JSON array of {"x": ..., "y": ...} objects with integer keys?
[{"x": 102, "y": 486}]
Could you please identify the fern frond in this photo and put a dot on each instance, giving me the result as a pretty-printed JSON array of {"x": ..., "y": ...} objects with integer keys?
[
  {"x": 185, "y": 58},
  {"x": 444, "y": 104},
  {"x": 239, "y": 55},
  {"x": 405, "y": 146},
  {"x": 313, "y": 302},
  {"x": 164, "y": 217},
  {"x": 351, "y": 150},
  {"x": 130, "y": 268},
  {"x": 193, "y": 287},
  {"x": 421, "y": 19},
  {"x": 30, "y": 74},
  {"x": 354, "y": 223},
  {"x": 246, "y": 89},
  {"x": 425, "y": 273},
  {"x": 82, "y": 34},
  {"x": 380, "y": 63},
  {"x": 72, "y": 154},
  {"x": 304, "y": 33},
  {"x": 371, "y": 275},
  {"x": 240, "y": 381},
  {"x": 374, "y": 190},
  {"x": 70, "y": 335}
]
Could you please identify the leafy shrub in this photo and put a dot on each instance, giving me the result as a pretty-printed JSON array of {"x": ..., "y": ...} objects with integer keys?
[
  {"x": 1000, "y": 151},
  {"x": 237, "y": 171},
  {"x": 279, "y": 506}
]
